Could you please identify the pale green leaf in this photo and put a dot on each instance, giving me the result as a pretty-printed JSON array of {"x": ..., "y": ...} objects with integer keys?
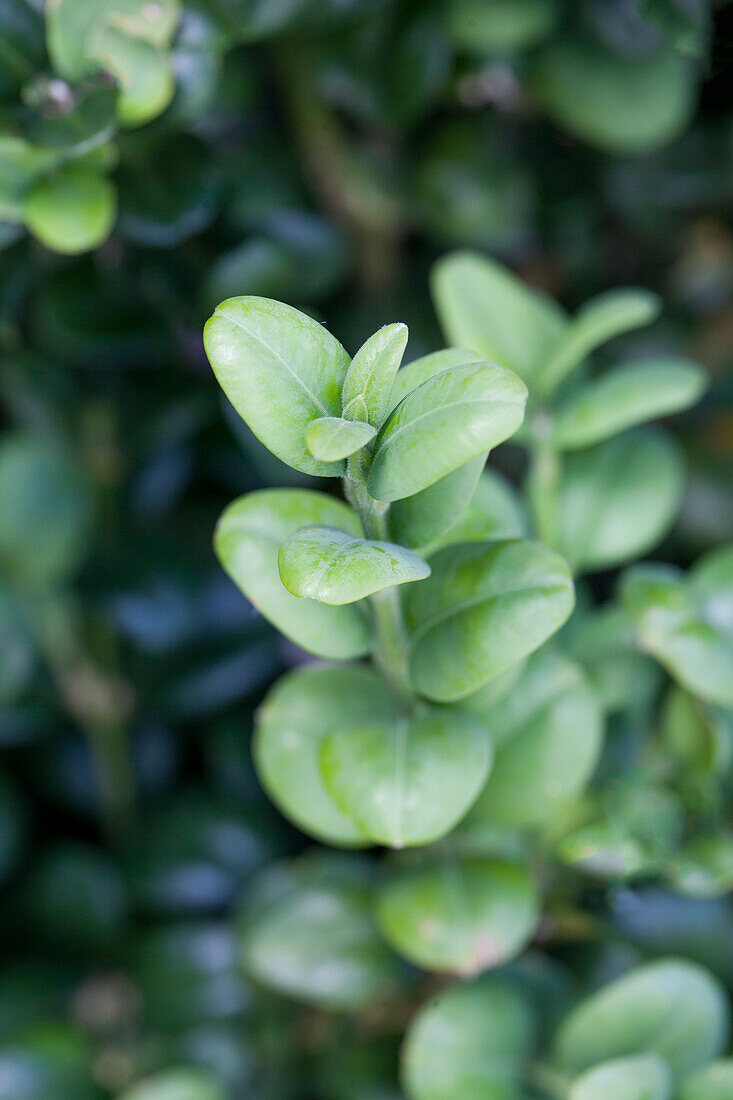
[
  {"x": 330, "y": 438},
  {"x": 371, "y": 375},
  {"x": 280, "y": 369},
  {"x": 248, "y": 538},
  {"x": 452, "y": 418},
  {"x": 71, "y": 210},
  {"x": 640, "y": 1077}
]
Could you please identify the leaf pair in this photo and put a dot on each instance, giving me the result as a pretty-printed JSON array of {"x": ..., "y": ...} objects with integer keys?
[
  {"x": 287, "y": 377},
  {"x": 340, "y": 760}
]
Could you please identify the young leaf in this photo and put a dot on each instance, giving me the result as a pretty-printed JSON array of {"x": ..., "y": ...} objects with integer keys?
[
  {"x": 448, "y": 420},
  {"x": 713, "y": 1082},
  {"x": 635, "y": 1014},
  {"x": 483, "y": 609},
  {"x": 641, "y": 1077},
  {"x": 290, "y": 728},
  {"x": 143, "y": 69},
  {"x": 599, "y": 320},
  {"x": 460, "y": 917},
  {"x": 330, "y": 438},
  {"x": 617, "y": 500},
  {"x": 369, "y": 379},
  {"x": 280, "y": 369},
  {"x": 624, "y": 397},
  {"x": 70, "y": 22},
  {"x": 308, "y": 931},
  {"x": 547, "y": 734},
  {"x": 248, "y": 538},
  {"x": 333, "y": 567},
  {"x": 482, "y": 305},
  {"x": 471, "y": 1041},
  {"x": 687, "y": 624},
  {"x": 410, "y": 780}
]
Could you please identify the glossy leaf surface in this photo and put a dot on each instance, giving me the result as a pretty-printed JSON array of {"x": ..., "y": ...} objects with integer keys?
[
  {"x": 280, "y": 369},
  {"x": 248, "y": 538},
  {"x": 371, "y": 374},
  {"x": 448, "y": 420},
  {"x": 410, "y": 780},
  {"x": 333, "y": 567},
  {"x": 483, "y": 608}
]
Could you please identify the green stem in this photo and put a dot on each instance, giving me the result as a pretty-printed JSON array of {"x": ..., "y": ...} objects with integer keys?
[
  {"x": 542, "y": 489},
  {"x": 390, "y": 633}
]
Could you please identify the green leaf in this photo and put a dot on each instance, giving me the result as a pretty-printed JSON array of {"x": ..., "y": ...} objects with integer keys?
[
  {"x": 642, "y": 1077},
  {"x": 370, "y": 377},
  {"x": 624, "y": 397},
  {"x": 298, "y": 713},
  {"x": 407, "y": 781},
  {"x": 460, "y": 917},
  {"x": 482, "y": 305},
  {"x": 608, "y": 315},
  {"x": 687, "y": 624},
  {"x": 704, "y": 867},
  {"x": 280, "y": 369},
  {"x": 330, "y": 438},
  {"x": 426, "y": 367},
  {"x": 72, "y": 210},
  {"x": 671, "y": 1007},
  {"x": 472, "y": 1041},
  {"x": 603, "y": 641},
  {"x": 44, "y": 511},
  {"x": 248, "y": 538},
  {"x": 421, "y": 519},
  {"x": 333, "y": 567},
  {"x": 143, "y": 69},
  {"x": 618, "y": 499},
  {"x": 504, "y": 26},
  {"x": 71, "y": 23},
  {"x": 176, "y": 1084},
  {"x": 623, "y": 104},
  {"x": 309, "y": 932},
  {"x": 548, "y": 733},
  {"x": 713, "y": 1082},
  {"x": 448, "y": 420},
  {"x": 483, "y": 609}
]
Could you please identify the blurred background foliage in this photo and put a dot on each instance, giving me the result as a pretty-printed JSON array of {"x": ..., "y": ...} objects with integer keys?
[{"x": 154, "y": 159}]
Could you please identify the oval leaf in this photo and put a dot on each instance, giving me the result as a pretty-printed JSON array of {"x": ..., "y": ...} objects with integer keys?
[
  {"x": 421, "y": 519},
  {"x": 308, "y": 931},
  {"x": 471, "y": 1041},
  {"x": 625, "y": 397},
  {"x": 482, "y": 610},
  {"x": 370, "y": 377},
  {"x": 248, "y": 538},
  {"x": 72, "y": 210},
  {"x": 410, "y": 780},
  {"x": 448, "y": 420},
  {"x": 618, "y": 499},
  {"x": 298, "y": 713},
  {"x": 672, "y": 1008},
  {"x": 482, "y": 305},
  {"x": 427, "y": 366},
  {"x": 280, "y": 369},
  {"x": 333, "y": 567},
  {"x": 331, "y": 438},
  {"x": 644, "y": 1077},
  {"x": 547, "y": 732},
  {"x": 460, "y": 917}
]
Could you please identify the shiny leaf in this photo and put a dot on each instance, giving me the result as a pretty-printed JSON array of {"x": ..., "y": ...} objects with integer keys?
[
  {"x": 330, "y": 438},
  {"x": 371, "y": 374}
]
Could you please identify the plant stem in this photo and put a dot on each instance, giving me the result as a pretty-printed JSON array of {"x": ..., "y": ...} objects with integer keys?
[
  {"x": 542, "y": 483},
  {"x": 390, "y": 634}
]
